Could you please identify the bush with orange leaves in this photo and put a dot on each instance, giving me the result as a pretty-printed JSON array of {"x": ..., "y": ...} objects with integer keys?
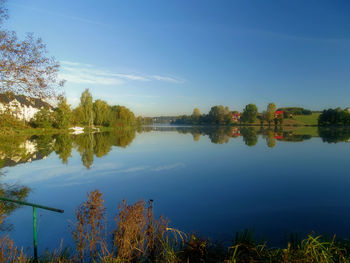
[{"x": 88, "y": 232}]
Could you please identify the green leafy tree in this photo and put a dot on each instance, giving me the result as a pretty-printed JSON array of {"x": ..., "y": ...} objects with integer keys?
[
  {"x": 270, "y": 112},
  {"x": 250, "y": 113},
  {"x": 217, "y": 115},
  {"x": 86, "y": 105},
  {"x": 102, "y": 113},
  {"x": 122, "y": 116},
  {"x": 43, "y": 118},
  {"x": 62, "y": 114}
]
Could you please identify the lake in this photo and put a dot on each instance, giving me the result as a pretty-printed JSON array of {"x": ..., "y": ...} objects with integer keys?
[{"x": 209, "y": 181}]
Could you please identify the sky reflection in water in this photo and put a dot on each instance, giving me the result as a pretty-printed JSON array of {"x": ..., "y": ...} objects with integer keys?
[{"x": 213, "y": 182}]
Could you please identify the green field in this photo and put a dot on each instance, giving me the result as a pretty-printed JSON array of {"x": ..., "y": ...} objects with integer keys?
[{"x": 308, "y": 119}]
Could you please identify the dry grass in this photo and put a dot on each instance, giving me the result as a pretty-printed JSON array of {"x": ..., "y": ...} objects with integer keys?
[
  {"x": 139, "y": 237},
  {"x": 88, "y": 232}
]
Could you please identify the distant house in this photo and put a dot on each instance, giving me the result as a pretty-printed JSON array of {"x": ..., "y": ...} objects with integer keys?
[
  {"x": 236, "y": 116},
  {"x": 22, "y": 107},
  {"x": 347, "y": 109},
  {"x": 278, "y": 113}
]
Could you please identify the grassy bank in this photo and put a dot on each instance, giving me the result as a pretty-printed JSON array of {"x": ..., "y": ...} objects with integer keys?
[
  {"x": 139, "y": 237},
  {"x": 308, "y": 119}
]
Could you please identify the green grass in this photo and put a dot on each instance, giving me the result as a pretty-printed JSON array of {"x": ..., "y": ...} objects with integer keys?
[{"x": 308, "y": 119}]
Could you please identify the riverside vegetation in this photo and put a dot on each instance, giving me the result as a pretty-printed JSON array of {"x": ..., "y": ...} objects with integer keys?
[
  {"x": 140, "y": 237},
  {"x": 88, "y": 114}
]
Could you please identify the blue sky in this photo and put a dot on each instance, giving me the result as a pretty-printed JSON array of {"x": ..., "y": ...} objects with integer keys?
[{"x": 162, "y": 57}]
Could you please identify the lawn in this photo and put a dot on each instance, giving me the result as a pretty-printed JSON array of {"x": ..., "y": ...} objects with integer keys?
[{"x": 308, "y": 119}]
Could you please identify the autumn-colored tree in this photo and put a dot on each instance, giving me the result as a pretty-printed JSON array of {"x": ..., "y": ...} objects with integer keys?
[
  {"x": 24, "y": 67},
  {"x": 196, "y": 115},
  {"x": 196, "y": 112}
]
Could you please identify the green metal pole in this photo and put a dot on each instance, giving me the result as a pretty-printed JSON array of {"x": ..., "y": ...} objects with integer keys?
[
  {"x": 31, "y": 204},
  {"x": 35, "y": 235}
]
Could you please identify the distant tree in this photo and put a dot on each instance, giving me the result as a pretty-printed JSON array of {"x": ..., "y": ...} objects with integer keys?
[
  {"x": 102, "y": 113},
  {"x": 338, "y": 117},
  {"x": 219, "y": 115},
  {"x": 86, "y": 105},
  {"x": 250, "y": 113},
  {"x": 196, "y": 115},
  {"x": 270, "y": 112},
  {"x": 24, "y": 67},
  {"x": 262, "y": 117},
  {"x": 122, "y": 116},
  {"x": 139, "y": 121},
  {"x": 62, "y": 114}
]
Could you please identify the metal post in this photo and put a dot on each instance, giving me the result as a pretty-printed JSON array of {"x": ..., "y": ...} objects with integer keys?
[{"x": 35, "y": 235}]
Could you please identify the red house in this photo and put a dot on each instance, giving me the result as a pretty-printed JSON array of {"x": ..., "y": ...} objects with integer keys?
[
  {"x": 236, "y": 116},
  {"x": 278, "y": 113}
]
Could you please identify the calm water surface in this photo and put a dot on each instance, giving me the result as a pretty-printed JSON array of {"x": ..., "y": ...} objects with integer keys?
[{"x": 212, "y": 182}]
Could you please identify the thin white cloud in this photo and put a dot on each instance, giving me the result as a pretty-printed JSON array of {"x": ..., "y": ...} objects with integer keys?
[
  {"x": 167, "y": 79},
  {"x": 169, "y": 167},
  {"x": 81, "y": 73}
]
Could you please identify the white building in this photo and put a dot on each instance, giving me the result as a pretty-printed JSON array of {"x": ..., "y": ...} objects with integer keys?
[{"x": 24, "y": 108}]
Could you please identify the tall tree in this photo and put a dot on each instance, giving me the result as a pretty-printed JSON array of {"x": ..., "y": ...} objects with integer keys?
[
  {"x": 87, "y": 108},
  {"x": 62, "y": 114},
  {"x": 270, "y": 112},
  {"x": 249, "y": 113},
  {"x": 102, "y": 113},
  {"x": 24, "y": 67},
  {"x": 217, "y": 115}
]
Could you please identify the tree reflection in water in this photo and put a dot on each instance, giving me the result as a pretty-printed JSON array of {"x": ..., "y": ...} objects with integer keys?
[{"x": 22, "y": 149}]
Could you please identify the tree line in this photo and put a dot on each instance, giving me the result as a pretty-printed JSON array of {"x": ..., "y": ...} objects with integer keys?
[
  {"x": 336, "y": 117},
  {"x": 88, "y": 113},
  {"x": 220, "y": 115}
]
